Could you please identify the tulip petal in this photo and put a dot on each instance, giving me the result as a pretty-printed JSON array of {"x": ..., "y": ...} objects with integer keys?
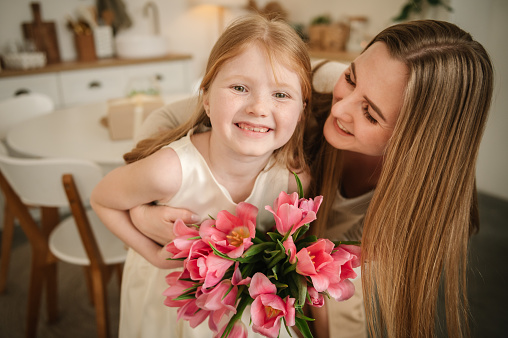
[{"x": 260, "y": 284}]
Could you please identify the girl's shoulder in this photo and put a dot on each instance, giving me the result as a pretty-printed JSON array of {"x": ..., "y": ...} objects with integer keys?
[{"x": 165, "y": 169}]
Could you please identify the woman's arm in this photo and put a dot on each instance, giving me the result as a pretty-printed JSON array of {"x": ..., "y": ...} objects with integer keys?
[
  {"x": 156, "y": 222},
  {"x": 156, "y": 177}
]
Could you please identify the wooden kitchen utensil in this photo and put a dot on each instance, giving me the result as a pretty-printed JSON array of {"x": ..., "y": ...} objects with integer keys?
[{"x": 43, "y": 34}]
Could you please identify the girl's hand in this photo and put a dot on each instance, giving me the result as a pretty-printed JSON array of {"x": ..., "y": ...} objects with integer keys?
[{"x": 156, "y": 222}]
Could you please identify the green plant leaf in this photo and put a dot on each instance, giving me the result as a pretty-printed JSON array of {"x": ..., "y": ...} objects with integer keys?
[
  {"x": 299, "y": 185},
  {"x": 302, "y": 325},
  {"x": 257, "y": 248}
]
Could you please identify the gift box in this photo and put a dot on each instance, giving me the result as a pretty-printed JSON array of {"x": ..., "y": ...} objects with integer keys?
[{"x": 125, "y": 115}]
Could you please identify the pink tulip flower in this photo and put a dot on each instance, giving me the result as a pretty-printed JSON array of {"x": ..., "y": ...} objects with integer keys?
[
  {"x": 348, "y": 258},
  {"x": 238, "y": 331},
  {"x": 215, "y": 269},
  {"x": 316, "y": 299},
  {"x": 268, "y": 309},
  {"x": 231, "y": 234},
  {"x": 290, "y": 247},
  {"x": 192, "y": 313},
  {"x": 219, "y": 300},
  {"x": 316, "y": 262},
  {"x": 176, "y": 288},
  {"x": 237, "y": 277},
  {"x": 181, "y": 245},
  {"x": 291, "y": 213}
]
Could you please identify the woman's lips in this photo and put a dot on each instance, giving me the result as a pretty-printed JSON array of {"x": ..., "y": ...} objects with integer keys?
[{"x": 341, "y": 127}]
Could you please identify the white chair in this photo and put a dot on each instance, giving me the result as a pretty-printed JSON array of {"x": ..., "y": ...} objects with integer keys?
[
  {"x": 13, "y": 111},
  {"x": 80, "y": 239},
  {"x": 21, "y": 108}
]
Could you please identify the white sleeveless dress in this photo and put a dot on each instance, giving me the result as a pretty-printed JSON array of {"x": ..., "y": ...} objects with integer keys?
[{"x": 142, "y": 312}]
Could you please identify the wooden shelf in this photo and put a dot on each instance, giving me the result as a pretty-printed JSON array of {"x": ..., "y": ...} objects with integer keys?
[{"x": 99, "y": 63}]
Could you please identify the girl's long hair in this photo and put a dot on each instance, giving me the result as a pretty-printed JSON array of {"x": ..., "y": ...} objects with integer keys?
[
  {"x": 424, "y": 209},
  {"x": 283, "y": 45}
]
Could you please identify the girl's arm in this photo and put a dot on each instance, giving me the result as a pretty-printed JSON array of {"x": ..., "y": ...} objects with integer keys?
[{"x": 156, "y": 177}]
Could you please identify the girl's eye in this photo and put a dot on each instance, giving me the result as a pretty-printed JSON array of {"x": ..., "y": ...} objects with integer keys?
[
  {"x": 347, "y": 76},
  {"x": 281, "y": 95},
  {"x": 240, "y": 89}
]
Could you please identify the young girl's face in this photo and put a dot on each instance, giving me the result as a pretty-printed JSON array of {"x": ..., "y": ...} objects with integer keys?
[
  {"x": 366, "y": 102},
  {"x": 254, "y": 107}
]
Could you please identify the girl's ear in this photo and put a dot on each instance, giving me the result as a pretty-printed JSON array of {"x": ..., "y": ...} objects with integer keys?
[{"x": 206, "y": 104}]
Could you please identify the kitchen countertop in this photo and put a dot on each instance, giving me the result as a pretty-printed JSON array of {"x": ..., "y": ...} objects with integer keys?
[{"x": 99, "y": 63}]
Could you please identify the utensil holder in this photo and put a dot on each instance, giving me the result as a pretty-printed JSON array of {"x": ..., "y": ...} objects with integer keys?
[{"x": 85, "y": 47}]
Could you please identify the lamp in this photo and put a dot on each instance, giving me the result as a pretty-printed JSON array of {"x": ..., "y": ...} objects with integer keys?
[{"x": 221, "y": 6}]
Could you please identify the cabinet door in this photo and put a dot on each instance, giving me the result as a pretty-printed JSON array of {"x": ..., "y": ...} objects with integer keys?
[
  {"x": 42, "y": 83},
  {"x": 172, "y": 77},
  {"x": 85, "y": 86}
]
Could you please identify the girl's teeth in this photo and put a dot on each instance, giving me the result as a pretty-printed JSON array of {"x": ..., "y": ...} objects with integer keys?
[{"x": 255, "y": 129}]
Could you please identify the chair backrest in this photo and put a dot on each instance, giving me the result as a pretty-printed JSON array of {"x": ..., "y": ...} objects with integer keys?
[
  {"x": 23, "y": 107},
  {"x": 3, "y": 149},
  {"x": 39, "y": 181}
]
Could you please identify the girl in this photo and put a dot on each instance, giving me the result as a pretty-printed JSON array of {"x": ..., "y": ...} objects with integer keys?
[{"x": 254, "y": 96}]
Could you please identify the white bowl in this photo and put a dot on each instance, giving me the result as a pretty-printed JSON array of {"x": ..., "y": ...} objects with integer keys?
[{"x": 139, "y": 46}]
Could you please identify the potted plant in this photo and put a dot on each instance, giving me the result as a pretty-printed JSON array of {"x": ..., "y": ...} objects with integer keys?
[{"x": 419, "y": 6}]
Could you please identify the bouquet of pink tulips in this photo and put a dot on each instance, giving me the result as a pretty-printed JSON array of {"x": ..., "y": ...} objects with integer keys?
[{"x": 228, "y": 265}]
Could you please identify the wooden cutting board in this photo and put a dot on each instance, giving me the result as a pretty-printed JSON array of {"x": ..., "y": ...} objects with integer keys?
[{"x": 43, "y": 34}]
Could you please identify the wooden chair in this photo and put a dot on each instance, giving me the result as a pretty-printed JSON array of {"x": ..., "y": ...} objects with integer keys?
[
  {"x": 13, "y": 111},
  {"x": 79, "y": 239}
]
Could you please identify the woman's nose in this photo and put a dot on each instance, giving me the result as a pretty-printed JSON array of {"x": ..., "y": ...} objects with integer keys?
[{"x": 343, "y": 109}]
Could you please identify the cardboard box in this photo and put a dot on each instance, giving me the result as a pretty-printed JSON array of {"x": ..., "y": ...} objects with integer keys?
[{"x": 126, "y": 115}]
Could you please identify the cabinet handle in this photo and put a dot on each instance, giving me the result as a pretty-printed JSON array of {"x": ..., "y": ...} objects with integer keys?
[
  {"x": 21, "y": 91},
  {"x": 94, "y": 84},
  {"x": 159, "y": 77}
]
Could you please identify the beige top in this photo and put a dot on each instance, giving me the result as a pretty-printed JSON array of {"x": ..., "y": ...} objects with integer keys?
[{"x": 348, "y": 215}]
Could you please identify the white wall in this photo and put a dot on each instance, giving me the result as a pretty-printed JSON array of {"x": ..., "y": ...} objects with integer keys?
[
  {"x": 194, "y": 29},
  {"x": 487, "y": 21}
]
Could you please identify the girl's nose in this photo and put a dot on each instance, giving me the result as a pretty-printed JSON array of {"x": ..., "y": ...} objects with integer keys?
[{"x": 258, "y": 106}]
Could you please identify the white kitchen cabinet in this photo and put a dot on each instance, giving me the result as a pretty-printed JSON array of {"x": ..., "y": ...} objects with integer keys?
[
  {"x": 41, "y": 83},
  {"x": 77, "y": 83},
  {"x": 84, "y": 86}
]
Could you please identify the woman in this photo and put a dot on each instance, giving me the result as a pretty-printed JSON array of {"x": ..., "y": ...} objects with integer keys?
[{"x": 402, "y": 135}]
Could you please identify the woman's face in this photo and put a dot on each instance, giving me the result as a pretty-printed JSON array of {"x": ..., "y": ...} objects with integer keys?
[{"x": 366, "y": 102}]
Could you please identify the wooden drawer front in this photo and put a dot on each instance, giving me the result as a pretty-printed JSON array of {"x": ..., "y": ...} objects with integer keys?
[
  {"x": 86, "y": 86},
  {"x": 172, "y": 77},
  {"x": 43, "y": 83}
]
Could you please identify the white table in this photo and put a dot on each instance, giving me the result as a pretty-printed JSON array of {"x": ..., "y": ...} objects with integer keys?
[{"x": 74, "y": 132}]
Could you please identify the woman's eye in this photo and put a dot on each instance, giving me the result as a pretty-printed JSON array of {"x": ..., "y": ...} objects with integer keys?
[
  {"x": 347, "y": 76},
  {"x": 281, "y": 95},
  {"x": 368, "y": 116},
  {"x": 240, "y": 89}
]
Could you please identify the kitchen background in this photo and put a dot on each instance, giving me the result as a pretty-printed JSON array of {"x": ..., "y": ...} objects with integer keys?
[{"x": 192, "y": 29}]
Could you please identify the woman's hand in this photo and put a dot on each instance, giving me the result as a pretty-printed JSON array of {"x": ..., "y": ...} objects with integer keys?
[{"x": 156, "y": 222}]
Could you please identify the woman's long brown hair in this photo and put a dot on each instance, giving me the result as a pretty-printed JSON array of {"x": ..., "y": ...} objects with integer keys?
[{"x": 424, "y": 209}]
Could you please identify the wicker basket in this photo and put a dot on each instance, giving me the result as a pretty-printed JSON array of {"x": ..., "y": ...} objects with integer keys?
[
  {"x": 25, "y": 60},
  {"x": 331, "y": 37}
]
